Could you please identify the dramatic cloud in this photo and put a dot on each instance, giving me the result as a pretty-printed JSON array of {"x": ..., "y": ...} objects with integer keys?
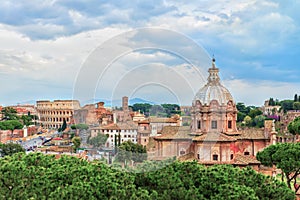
[{"x": 44, "y": 44}]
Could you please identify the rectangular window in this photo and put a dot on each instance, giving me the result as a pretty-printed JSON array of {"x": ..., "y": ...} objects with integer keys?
[
  {"x": 230, "y": 124},
  {"x": 214, "y": 124},
  {"x": 199, "y": 124},
  {"x": 215, "y": 157}
]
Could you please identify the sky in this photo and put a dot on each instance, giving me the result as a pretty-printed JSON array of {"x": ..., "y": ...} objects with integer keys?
[{"x": 156, "y": 50}]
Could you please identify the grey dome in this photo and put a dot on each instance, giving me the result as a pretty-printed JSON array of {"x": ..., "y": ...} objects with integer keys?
[{"x": 213, "y": 90}]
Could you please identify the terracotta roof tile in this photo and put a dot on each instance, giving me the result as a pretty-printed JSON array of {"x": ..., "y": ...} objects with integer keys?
[
  {"x": 252, "y": 133},
  {"x": 120, "y": 126},
  {"x": 162, "y": 120},
  {"x": 187, "y": 157},
  {"x": 243, "y": 159},
  {"x": 215, "y": 137},
  {"x": 175, "y": 132}
]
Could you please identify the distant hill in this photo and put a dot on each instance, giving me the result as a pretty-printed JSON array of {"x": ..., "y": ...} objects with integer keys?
[
  {"x": 139, "y": 100},
  {"x": 107, "y": 103},
  {"x": 117, "y": 102}
]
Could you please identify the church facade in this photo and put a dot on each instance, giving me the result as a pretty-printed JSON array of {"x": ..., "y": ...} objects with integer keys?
[{"x": 213, "y": 136}]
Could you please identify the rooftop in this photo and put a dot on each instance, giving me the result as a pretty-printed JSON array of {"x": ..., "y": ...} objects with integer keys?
[{"x": 175, "y": 132}]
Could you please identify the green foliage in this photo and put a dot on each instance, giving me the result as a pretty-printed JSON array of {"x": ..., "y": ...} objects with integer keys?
[
  {"x": 258, "y": 121},
  {"x": 286, "y": 157},
  {"x": 240, "y": 116},
  {"x": 189, "y": 180},
  {"x": 9, "y": 114},
  {"x": 163, "y": 110},
  {"x": 171, "y": 109},
  {"x": 27, "y": 119},
  {"x": 247, "y": 120},
  {"x": 80, "y": 126},
  {"x": 128, "y": 151},
  {"x": 76, "y": 142},
  {"x": 63, "y": 127},
  {"x": 39, "y": 176},
  {"x": 254, "y": 112},
  {"x": 11, "y": 125},
  {"x": 296, "y": 105},
  {"x": 98, "y": 141},
  {"x": 158, "y": 110},
  {"x": 251, "y": 115},
  {"x": 242, "y": 108},
  {"x": 286, "y": 105},
  {"x": 295, "y": 98},
  {"x": 294, "y": 126},
  {"x": 142, "y": 107},
  {"x": 10, "y": 149}
]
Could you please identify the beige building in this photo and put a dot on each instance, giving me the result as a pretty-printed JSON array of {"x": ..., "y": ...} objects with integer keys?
[
  {"x": 270, "y": 110},
  {"x": 52, "y": 114},
  {"x": 157, "y": 123},
  {"x": 213, "y": 137}
]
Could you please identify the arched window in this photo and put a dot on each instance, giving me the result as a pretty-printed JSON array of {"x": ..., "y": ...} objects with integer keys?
[
  {"x": 230, "y": 124},
  {"x": 198, "y": 124},
  {"x": 214, "y": 124},
  {"x": 182, "y": 152}
]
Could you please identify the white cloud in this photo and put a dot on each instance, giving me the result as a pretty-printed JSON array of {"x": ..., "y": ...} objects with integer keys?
[
  {"x": 43, "y": 44},
  {"x": 254, "y": 92}
]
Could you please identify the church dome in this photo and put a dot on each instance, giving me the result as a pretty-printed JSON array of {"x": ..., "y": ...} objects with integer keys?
[{"x": 213, "y": 90}]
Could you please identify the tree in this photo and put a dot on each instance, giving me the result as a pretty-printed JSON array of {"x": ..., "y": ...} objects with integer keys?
[
  {"x": 142, "y": 107},
  {"x": 11, "y": 125},
  {"x": 189, "y": 180},
  {"x": 64, "y": 126},
  {"x": 247, "y": 120},
  {"x": 76, "y": 142},
  {"x": 80, "y": 126},
  {"x": 128, "y": 151},
  {"x": 157, "y": 110},
  {"x": 271, "y": 102},
  {"x": 286, "y": 105},
  {"x": 39, "y": 176},
  {"x": 296, "y": 105},
  {"x": 254, "y": 112},
  {"x": 295, "y": 98},
  {"x": 286, "y": 157},
  {"x": 10, "y": 149},
  {"x": 27, "y": 120},
  {"x": 258, "y": 121},
  {"x": 240, "y": 116},
  {"x": 171, "y": 109},
  {"x": 9, "y": 113},
  {"x": 294, "y": 126},
  {"x": 98, "y": 141}
]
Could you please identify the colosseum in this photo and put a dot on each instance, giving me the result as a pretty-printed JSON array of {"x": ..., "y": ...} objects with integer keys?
[{"x": 52, "y": 114}]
